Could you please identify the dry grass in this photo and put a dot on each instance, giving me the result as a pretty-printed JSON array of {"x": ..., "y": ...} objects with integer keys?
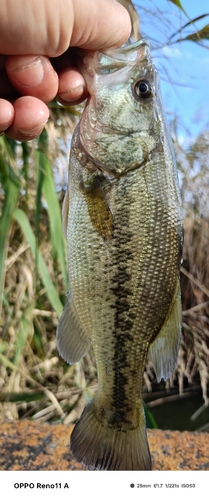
[
  {"x": 194, "y": 351},
  {"x": 34, "y": 381}
]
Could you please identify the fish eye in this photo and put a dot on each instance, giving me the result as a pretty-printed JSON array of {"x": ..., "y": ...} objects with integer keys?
[{"x": 142, "y": 89}]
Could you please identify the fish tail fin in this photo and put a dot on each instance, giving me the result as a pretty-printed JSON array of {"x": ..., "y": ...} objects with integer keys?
[{"x": 101, "y": 446}]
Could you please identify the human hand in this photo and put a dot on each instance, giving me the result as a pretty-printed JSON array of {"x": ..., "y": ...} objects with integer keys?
[{"x": 37, "y": 41}]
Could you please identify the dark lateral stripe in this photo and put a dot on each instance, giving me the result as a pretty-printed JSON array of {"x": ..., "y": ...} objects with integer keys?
[{"x": 122, "y": 255}]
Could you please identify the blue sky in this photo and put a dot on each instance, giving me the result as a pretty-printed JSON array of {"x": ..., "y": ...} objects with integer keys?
[{"x": 184, "y": 66}]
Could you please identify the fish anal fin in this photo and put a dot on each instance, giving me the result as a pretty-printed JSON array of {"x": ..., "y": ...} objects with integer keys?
[
  {"x": 164, "y": 349},
  {"x": 101, "y": 446},
  {"x": 72, "y": 343}
]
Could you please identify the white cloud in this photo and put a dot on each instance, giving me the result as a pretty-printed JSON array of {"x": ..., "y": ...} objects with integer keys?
[{"x": 169, "y": 51}]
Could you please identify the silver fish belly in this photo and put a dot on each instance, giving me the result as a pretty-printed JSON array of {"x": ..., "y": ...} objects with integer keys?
[{"x": 123, "y": 225}]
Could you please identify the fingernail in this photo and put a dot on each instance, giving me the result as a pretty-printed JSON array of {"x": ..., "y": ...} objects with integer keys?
[
  {"x": 4, "y": 127},
  {"x": 33, "y": 131},
  {"x": 30, "y": 74},
  {"x": 72, "y": 94}
]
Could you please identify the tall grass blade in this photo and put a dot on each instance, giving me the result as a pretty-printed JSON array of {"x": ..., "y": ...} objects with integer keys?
[
  {"x": 202, "y": 34},
  {"x": 26, "y": 152},
  {"x": 38, "y": 207},
  {"x": 150, "y": 420},
  {"x": 47, "y": 183},
  {"x": 25, "y": 397},
  {"x": 11, "y": 186},
  {"x": 51, "y": 292},
  {"x": 193, "y": 21},
  {"x": 179, "y": 5}
]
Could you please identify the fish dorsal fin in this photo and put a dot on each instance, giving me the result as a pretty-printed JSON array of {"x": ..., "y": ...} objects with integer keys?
[
  {"x": 164, "y": 350},
  {"x": 65, "y": 212},
  {"x": 72, "y": 343}
]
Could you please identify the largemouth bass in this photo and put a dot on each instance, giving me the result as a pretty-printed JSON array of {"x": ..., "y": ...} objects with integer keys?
[{"x": 123, "y": 221}]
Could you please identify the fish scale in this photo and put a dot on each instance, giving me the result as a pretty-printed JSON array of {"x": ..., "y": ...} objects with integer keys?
[{"x": 124, "y": 238}]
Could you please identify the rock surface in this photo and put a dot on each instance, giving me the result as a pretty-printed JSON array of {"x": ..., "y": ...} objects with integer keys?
[{"x": 28, "y": 445}]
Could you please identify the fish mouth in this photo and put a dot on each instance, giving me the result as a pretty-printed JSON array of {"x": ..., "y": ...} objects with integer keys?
[
  {"x": 114, "y": 59},
  {"x": 125, "y": 51},
  {"x": 103, "y": 63},
  {"x": 121, "y": 53}
]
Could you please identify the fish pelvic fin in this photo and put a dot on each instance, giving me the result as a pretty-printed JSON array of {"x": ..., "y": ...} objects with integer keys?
[
  {"x": 72, "y": 343},
  {"x": 101, "y": 446},
  {"x": 164, "y": 350}
]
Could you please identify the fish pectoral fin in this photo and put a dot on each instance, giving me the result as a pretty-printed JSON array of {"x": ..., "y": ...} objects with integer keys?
[
  {"x": 65, "y": 212},
  {"x": 164, "y": 349},
  {"x": 72, "y": 343},
  {"x": 99, "y": 212}
]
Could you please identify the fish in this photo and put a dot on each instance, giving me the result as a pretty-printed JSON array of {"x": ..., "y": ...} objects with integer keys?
[{"x": 122, "y": 216}]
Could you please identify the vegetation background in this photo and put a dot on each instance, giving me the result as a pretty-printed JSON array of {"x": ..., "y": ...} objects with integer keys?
[{"x": 35, "y": 382}]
